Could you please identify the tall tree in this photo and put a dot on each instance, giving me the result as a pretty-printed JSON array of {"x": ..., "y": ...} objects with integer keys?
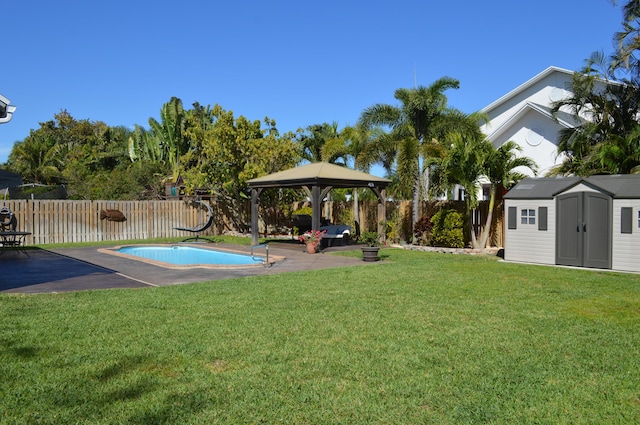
[
  {"x": 37, "y": 158},
  {"x": 230, "y": 151},
  {"x": 504, "y": 168},
  {"x": 468, "y": 160},
  {"x": 323, "y": 143},
  {"x": 607, "y": 141},
  {"x": 421, "y": 118},
  {"x": 606, "y": 95},
  {"x": 628, "y": 39},
  {"x": 461, "y": 161}
]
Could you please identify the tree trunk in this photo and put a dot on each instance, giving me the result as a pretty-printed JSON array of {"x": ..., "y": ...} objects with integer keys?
[
  {"x": 356, "y": 211},
  {"x": 472, "y": 232},
  {"x": 416, "y": 207},
  {"x": 484, "y": 236}
]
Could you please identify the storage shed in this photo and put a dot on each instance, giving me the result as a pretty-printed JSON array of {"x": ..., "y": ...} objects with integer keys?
[{"x": 575, "y": 221}]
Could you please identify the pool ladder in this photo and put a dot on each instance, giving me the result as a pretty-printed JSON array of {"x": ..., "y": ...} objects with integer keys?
[{"x": 266, "y": 249}]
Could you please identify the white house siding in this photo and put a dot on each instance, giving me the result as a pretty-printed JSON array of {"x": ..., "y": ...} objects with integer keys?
[
  {"x": 526, "y": 111},
  {"x": 626, "y": 246},
  {"x": 526, "y": 243},
  {"x": 537, "y": 135},
  {"x": 549, "y": 87}
]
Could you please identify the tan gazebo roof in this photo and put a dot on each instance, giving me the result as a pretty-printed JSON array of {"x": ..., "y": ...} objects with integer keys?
[{"x": 319, "y": 173}]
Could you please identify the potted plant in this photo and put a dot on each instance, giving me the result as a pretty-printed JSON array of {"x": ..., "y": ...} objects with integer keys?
[
  {"x": 371, "y": 241},
  {"x": 312, "y": 240}
]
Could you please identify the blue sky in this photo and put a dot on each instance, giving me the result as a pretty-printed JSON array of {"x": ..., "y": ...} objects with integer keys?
[{"x": 300, "y": 64}]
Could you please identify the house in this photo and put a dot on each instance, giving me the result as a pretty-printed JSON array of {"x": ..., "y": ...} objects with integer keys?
[
  {"x": 524, "y": 116},
  {"x": 6, "y": 110},
  {"x": 575, "y": 221}
]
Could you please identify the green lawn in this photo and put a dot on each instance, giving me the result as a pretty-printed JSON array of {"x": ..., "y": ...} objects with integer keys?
[{"x": 419, "y": 338}]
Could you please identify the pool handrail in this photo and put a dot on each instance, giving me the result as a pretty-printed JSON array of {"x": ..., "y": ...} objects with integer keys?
[{"x": 266, "y": 248}]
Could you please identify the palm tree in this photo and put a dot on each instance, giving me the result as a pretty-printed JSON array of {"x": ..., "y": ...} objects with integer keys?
[
  {"x": 323, "y": 143},
  {"x": 421, "y": 118},
  {"x": 358, "y": 145},
  {"x": 462, "y": 162},
  {"x": 469, "y": 159},
  {"x": 501, "y": 168},
  {"x": 607, "y": 142},
  {"x": 628, "y": 40},
  {"x": 37, "y": 158}
]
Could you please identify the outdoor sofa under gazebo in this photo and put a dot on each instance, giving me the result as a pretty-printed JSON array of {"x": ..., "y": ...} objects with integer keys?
[{"x": 317, "y": 179}]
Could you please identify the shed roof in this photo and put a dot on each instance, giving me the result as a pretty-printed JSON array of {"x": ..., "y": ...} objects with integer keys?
[
  {"x": 621, "y": 186},
  {"x": 319, "y": 173}
]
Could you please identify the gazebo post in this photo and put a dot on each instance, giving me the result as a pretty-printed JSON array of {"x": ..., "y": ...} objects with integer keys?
[
  {"x": 381, "y": 194},
  {"x": 382, "y": 213},
  {"x": 316, "y": 209},
  {"x": 255, "y": 201}
]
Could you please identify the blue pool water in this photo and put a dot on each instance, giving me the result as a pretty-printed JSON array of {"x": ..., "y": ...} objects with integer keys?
[{"x": 187, "y": 255}]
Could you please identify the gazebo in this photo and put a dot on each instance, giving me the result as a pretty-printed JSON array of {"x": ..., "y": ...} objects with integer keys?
[{"x": 317, "y": 179}]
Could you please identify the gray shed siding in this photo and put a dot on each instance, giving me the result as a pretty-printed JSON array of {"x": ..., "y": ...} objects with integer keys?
[
  {"x": 626, "y": 246},
  {"x": 526, "y": 243}
]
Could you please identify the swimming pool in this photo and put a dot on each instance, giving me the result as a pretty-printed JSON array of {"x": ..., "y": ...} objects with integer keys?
[{"x": 180, "y": 256}]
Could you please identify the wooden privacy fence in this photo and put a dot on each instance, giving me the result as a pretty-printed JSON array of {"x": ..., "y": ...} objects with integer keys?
[
  {"x": 63, "y": 221},
  {"x": 399, "y": 216},
  {"x": 60, "y": 221}
]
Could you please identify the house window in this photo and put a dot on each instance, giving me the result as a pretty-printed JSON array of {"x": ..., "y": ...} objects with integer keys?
[
  {"x": 527, "y": 216},
  {"x": 638, "y": 219}
]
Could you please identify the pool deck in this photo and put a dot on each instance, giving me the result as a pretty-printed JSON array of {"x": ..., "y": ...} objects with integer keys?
[{"x": 75, "y": 269}]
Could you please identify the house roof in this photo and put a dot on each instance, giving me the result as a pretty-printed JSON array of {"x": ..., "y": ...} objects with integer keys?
[
  {"x": 621, "y": 186},
  {"x": 544, "y": 74},
  {"x": 564, "y": 119},
  {"x": 321, "y": 174}
]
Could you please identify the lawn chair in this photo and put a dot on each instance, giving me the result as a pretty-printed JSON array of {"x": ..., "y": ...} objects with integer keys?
[
  {"x": 9, "y": 236},
  {"x": 200, "y": 227},
  {"x": 8, "y": 220}
]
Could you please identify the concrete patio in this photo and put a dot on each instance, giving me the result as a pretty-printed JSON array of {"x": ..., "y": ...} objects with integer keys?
[{"x": 33, "y": 270}]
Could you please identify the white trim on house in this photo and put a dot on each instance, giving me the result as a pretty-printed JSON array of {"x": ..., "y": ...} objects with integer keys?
[
  {"x": 527, "y": 84},
  {"x": 7, "y": 110},
  {"x": 527, "y": 107}
]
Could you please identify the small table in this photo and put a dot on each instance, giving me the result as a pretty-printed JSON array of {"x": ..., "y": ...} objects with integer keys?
[{"x": 12, "y": 238}]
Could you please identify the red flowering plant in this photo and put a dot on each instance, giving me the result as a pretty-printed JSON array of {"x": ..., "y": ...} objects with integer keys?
[{"x": 312, "y": 237}]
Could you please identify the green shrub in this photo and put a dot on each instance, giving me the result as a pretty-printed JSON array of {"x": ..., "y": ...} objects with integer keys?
[
  {"x": 345, "y": 216},
  {"x": 304, "y": 210},
  {"x": 393, "y": 227},
  {"x": 370, "y": 239},
  {"x": 447, "y": 229}
]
